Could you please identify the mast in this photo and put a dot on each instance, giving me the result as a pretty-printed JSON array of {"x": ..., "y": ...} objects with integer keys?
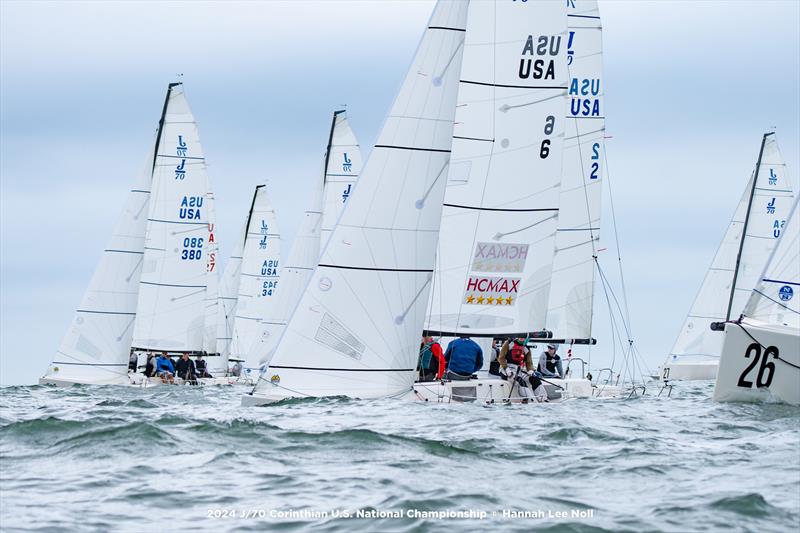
[
  {"x": 250, "y": 214},
  {"x": 330, "y": 143},
  {"x": 744, "y": 227},
  {"x": 161, "y": 120}
]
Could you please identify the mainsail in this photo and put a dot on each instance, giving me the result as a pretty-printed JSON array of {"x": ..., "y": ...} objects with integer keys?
[
  {"x": 171, "y": 310},
  {"x": 748, "y": 242},
  {"x": 356, "y": 329},
  {"x": 502, "y": 199},
  {"x": 342, "y": 166},
  {"x": 569, "y": 313},
  {"x": 258, "y": 279}
]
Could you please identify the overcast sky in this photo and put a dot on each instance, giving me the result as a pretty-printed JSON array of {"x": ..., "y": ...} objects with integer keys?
[{"x": 690, "y": 89}]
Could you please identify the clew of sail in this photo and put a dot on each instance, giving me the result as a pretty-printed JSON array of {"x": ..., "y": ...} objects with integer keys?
[
  {"x": 171, "y": 309},
  {"x": 355, "y": 331},
  {"x": 96, "y": 347},
  {"x": 740, "y": 258},
  {"x": 258, "y": 279},
  {"x": 569, "y": 313},
  {"x": 501, "y": 204},
  {"x": 342, "y": 166}
]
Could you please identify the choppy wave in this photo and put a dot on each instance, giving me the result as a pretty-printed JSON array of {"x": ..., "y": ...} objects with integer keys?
[{"x": 107, "y": 458}]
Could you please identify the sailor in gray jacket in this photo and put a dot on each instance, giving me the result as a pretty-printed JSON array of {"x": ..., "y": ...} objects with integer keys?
[{"x": 550, "y": 363}]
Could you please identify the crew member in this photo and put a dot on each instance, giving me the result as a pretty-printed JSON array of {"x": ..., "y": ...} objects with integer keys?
[
  {"x": 431, "y": 362},
  {"x": 463, "y": 357},
  {"x": 550, "y": 363}
]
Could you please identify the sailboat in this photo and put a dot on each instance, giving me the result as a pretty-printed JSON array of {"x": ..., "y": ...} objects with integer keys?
[
  {"x": 342, "y": 166},
  {"x": 748, "y": 242},
  {"x": 257, "y": 283},
  {"x": 760, "y": 358},
  {"x": 149, "y": 290},
  {"x": 522, "y": 205},
  {"x": 355, "y": 331}
]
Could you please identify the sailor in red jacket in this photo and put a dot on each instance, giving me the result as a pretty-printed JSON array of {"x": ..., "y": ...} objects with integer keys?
[{"x": 431, "y": 363}]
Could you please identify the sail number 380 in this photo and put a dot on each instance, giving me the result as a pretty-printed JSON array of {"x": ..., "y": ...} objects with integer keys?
[
  {"x": 192, "y": 248},
  {"x": 766, "y": 370}
]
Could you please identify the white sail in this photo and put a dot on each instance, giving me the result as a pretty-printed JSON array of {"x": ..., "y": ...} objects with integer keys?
[
  {"x": 569, "y": 313},
  {"x": 96, "y": 347},
  {"x": 171, "y": 309},
  {"x": 501, "y": 204},
  {"x": 226, "y": 308},
  {"x": 342, "y": 166},
  {"x": 763, "y": 209},
  {"x": 212, "y": 289},
  {"x": 775, "y": 298},
  {"x": 356, "y": 329},
  {"x": 258, "y": 278}
]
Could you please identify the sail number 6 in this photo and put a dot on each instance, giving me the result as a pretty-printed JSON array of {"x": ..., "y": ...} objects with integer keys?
[{"x": 766, "y": 371}]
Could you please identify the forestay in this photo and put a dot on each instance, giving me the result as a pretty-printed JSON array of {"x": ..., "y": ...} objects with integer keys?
[
  {"x": 762, "y": 209},
  {"x": 342, "y": 166},
  {"x": 96, "y": 346},
  {"x": 569, "y": 313},
  {"x": 258, "y": 279},
  {"x": 171, "y": 308},
  {"x": 775, "y": 299},
  {"x": 501, "y": 204},
  {"x": 356, "y": 329}
]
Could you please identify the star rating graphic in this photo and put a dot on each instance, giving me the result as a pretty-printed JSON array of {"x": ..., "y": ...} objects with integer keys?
[{"x": 488, "y": 300}]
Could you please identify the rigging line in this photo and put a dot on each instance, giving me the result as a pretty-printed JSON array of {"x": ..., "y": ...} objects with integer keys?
[
  {"x": 776, "y": 356},
  {"x": 616, "y": 240}
]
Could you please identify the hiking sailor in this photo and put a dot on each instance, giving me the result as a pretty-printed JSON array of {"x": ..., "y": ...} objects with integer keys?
[
  {"x": 202, "y": 367},
  {"x": 517, "y": 364},
  {"x": 133, "y": 362},
  {"x": 464, "y": 357},
  {"x": 431, "y": 360},
  {"x": 164, "y": 368},
  {"x": 185, "y": 368},
  {"x": 550, "y": 363}
]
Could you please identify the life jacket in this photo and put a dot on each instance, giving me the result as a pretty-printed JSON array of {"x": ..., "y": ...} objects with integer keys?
[
  {"x": 516, "y": 355},
  {"x": 550, "y": 363},
  {"x": 425, "y": 356}
]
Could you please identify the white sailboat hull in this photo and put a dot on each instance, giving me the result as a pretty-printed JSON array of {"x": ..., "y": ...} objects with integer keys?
[
  {"x": 495, "y": 390},
  {"x": 482, "y": 390},
  {"x": 766, "y": 369},
  {"x": 690, "y": 370}
]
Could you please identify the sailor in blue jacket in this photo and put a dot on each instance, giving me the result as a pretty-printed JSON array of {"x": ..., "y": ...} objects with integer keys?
[
  {"x": 164, "y": 368},
  {"x": 464, "y": 357}
]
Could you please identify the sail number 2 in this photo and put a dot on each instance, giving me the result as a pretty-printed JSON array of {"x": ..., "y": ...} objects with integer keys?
[
  {"x": 192, "y": 248},
  {"x": 766, "y": 371}
]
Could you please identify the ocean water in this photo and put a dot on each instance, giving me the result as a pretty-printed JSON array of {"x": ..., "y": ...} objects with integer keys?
[{"x": 193, "y": 459}]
